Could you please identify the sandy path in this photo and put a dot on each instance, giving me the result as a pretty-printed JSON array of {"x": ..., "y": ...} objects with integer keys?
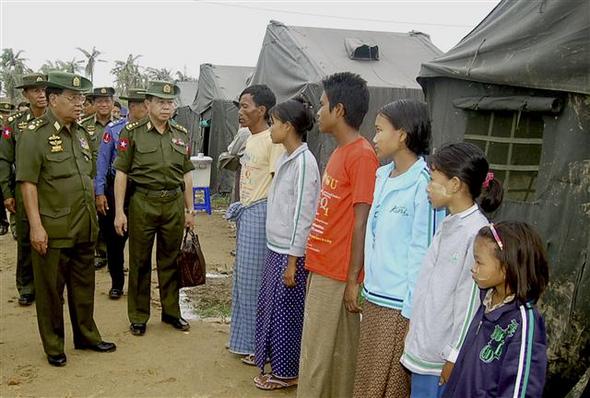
[{"x": 163, "y": 363}]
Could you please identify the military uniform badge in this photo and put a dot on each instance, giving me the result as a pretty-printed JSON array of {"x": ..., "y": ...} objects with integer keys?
[
  {"x": 84, "y": 144},
  {"x": 123, "y": 144},
  {"x": 6, "y": 133},
  {"x": 55, "y": 142}
]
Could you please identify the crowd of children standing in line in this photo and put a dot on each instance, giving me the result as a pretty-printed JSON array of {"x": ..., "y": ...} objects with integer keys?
[{"x": 448, "y": 297}]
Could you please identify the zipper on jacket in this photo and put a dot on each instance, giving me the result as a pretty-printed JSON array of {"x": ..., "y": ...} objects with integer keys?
[{"x": 478, "y": 326}]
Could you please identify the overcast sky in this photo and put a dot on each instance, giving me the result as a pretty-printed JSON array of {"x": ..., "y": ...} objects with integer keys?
[{"x": 181, "y": 35}]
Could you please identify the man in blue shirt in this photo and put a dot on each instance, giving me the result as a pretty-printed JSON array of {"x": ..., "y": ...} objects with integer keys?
[{"x": 104, "y": 189}]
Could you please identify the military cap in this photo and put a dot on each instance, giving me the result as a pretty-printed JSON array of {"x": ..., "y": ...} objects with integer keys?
[
  {"x": 33, "y": 80},
  {"x": 102, "y": 92},
  {"x": 161, "y": 89},
  {"x": 134, "y": 94},
  {"x": 5, "y": 105},
  {"x": 68, "y": 81}
]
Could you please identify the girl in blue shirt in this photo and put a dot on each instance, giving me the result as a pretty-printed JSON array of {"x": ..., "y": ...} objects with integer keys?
[{"x": 400, "y": 226}]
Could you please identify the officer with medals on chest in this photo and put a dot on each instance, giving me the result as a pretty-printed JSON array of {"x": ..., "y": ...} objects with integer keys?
[
  {"x": 153, "y": 154},
  {"x": 55, "y": 167},
  {"x": 33, "y": 86}
]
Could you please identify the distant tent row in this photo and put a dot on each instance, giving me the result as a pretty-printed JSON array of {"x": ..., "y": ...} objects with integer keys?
[
  {"x": 518, "y": 86},
  {"x": 219, "y": 87}
]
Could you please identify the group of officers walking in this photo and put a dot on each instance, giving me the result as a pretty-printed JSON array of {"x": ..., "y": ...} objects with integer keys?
[{"x": 68, "y": 180}]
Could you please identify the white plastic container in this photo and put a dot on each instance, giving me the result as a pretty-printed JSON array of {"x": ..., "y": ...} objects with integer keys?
[{"x": 202, "y": 172}]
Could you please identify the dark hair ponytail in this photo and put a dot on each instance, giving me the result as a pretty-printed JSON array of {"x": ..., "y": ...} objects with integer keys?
[
  {"x": 468, "y": 163},
  {"x": 296, "y": 111}
]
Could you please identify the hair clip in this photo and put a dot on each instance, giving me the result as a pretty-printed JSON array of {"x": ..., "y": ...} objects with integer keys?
[
  {"x": 496, "y": 236},
  {"x": 489, "y": 178}
]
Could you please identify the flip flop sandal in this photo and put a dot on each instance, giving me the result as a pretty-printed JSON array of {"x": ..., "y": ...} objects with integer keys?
[
  {"x": 274, "y": 383},
  {"x": 249, "y": 360},
  {"x": 261, "y": 378}
]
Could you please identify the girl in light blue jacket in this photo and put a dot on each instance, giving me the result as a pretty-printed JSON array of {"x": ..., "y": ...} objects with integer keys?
[{"x": 400, "y": 227}]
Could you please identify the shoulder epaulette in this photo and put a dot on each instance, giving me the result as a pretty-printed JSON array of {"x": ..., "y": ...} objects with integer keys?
[
  {"x": 178, "y": 126},
  {"x": 15, "y": 116},
  {"x": 86, "y": 119},
  {"x": 36, "y": 123},
  {"x": 134, "y": 125}
]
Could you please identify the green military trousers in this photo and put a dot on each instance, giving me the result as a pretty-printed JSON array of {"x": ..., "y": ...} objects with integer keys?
[
  {"x": 24, "y": 263},
  {"x": 151, "y": 216},
  {"x": 72, "y": 267}
]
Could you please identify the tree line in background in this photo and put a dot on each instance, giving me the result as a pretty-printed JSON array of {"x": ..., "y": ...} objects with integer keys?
[{"x": 127, "y": 73}]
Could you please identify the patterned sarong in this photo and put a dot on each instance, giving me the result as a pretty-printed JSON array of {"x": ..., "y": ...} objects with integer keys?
[
  {"x": 250, "y": 254},
  {"x": 279, "y": 321}
]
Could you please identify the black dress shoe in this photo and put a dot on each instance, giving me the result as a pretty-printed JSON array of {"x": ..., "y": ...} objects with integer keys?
[
  {"x": 178, "y": 323},
  {"x": 115, "y": 294},
  {"x": 57, "y": 360},
  {"x": 100, "y": 262},
  {"x": 3, "y": 229},
  {"x": 137, "y": 329},
  {"x": 103, "y": 346},
  {"x": 26, "y": 299}
]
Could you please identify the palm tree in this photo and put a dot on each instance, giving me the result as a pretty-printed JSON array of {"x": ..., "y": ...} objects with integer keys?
[
  {"x": 159, "y": 74},
  {"x": 48, "y": 66},
  {"x": 92, "y": 59},
  {"x": 12, "y": 67},
  {"x": 72, "y": 66},
  {"x": 127, "y": 74}
]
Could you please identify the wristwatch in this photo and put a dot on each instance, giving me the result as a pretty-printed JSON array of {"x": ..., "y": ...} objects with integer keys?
[{"x": 190, "y": 211}]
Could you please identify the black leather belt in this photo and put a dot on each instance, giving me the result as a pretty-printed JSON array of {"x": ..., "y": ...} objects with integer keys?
[{"x": 162, "y": 193}]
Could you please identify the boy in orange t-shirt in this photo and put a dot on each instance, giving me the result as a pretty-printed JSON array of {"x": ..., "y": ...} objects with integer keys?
[{"x": 335, "y": 246}]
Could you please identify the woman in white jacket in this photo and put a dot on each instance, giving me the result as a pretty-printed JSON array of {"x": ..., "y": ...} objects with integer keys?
[{"x": 292, "y": 201}]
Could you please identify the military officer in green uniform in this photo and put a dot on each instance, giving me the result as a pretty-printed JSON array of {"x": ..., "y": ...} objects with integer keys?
[
  {"x": 54, "y": 166},
  {"x": 103, "y": 105},
  {"x": 102, "y": 98},
  {"x": 153, "y": 162},
  {"x": 33, "y": 86},
  {"x": 6, "y": 108}
]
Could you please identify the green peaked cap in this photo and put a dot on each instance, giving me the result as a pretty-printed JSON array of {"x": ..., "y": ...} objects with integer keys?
[
  {"x": 134, "y": 94},
  {"x": 33, "y": 80},
  {"x": 102, "y": 92},
  {"x": 68, "y": 81},
  {"x": 161, "y": 89}
]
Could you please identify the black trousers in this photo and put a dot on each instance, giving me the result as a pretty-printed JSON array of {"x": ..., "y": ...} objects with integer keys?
[
  {"x": 114, "y": 242},
  {"x": 3, "y": 217}
]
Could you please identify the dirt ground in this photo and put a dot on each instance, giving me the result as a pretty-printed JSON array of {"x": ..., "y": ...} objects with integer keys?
[{"x": 163, "y": 363}]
